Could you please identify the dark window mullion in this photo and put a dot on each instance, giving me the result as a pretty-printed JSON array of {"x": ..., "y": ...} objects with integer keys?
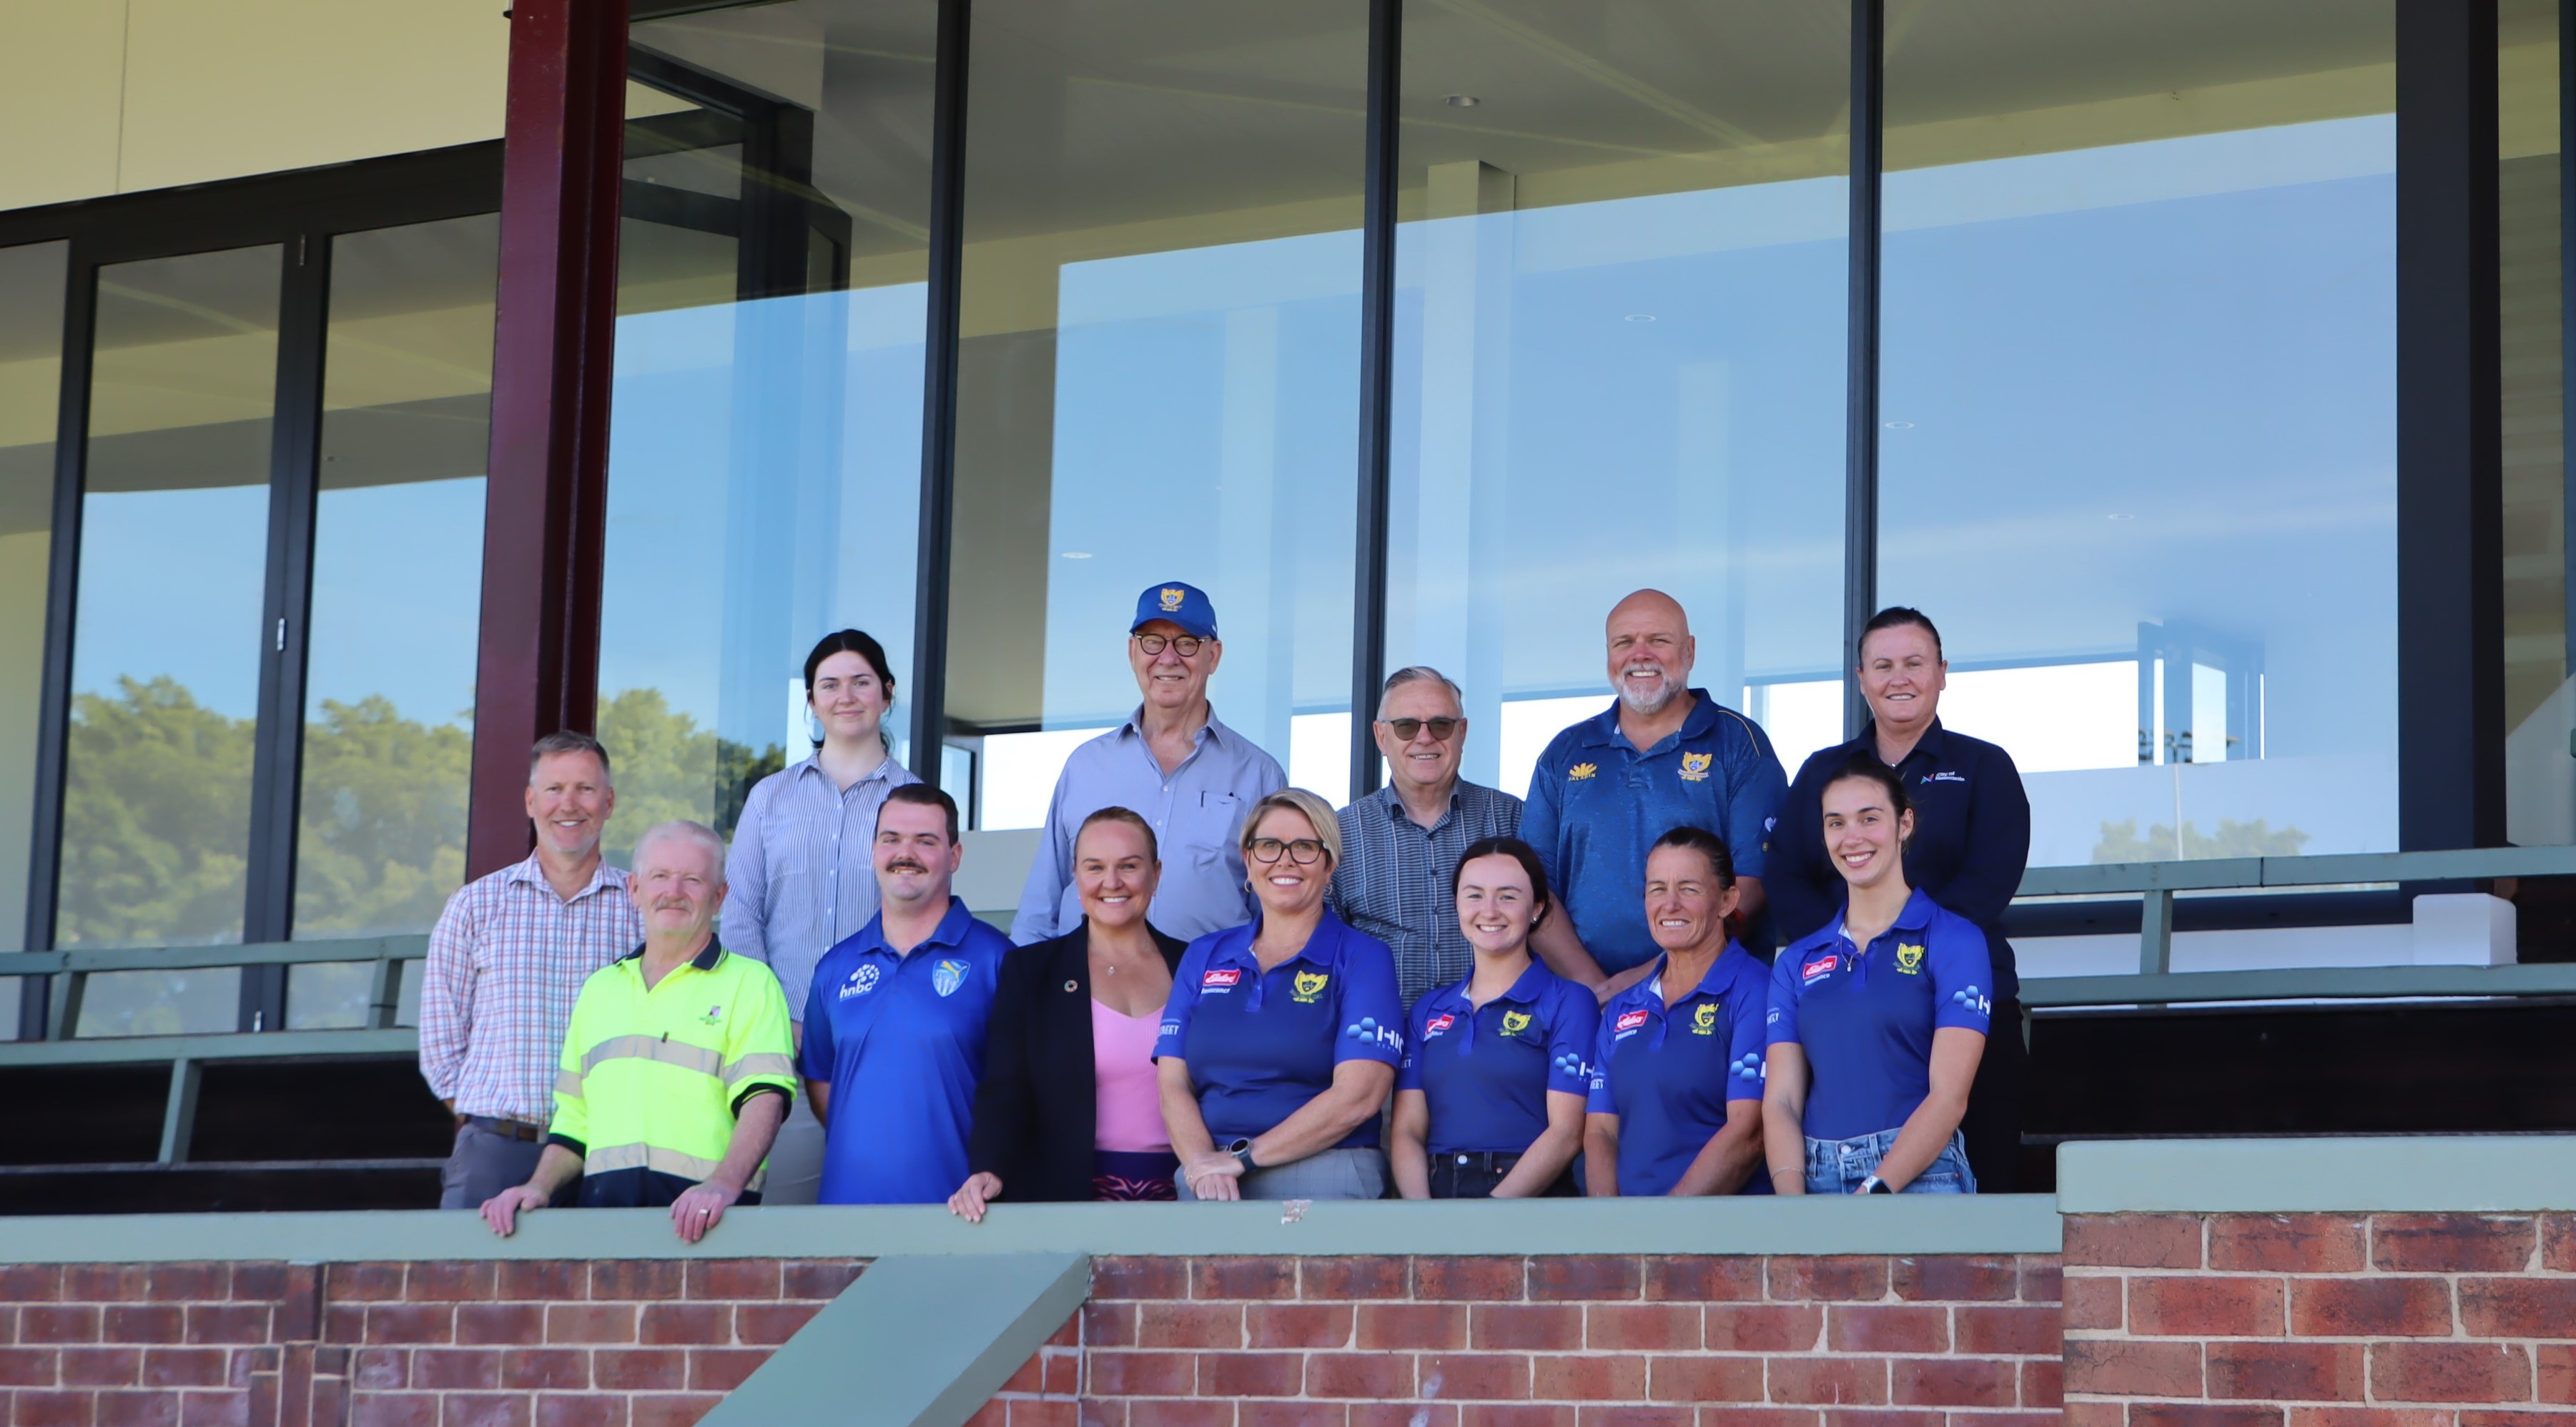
[
  {"x": 1860, "y": 428},
  {"x": 1377, "y": 395}
]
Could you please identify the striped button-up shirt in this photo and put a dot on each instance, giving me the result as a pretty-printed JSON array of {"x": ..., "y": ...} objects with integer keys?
[
  {"x": 506, "y": 962},
  {"x": 802, "y": 875},
  {"x": 1394, "y": 879}
]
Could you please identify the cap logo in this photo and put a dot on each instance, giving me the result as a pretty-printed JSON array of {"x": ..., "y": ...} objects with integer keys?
[{"x": 1172, "y": 600}]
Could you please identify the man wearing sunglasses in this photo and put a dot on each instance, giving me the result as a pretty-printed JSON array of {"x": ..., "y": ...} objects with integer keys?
[{"x": 1405, "y": 839}]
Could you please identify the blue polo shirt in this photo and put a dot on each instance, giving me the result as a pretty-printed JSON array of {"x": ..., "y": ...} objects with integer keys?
[
  {"x": 1597, "y": 803},
  {"x": 1261, "y": 1045},
  {"x": 900, "y": 1039},
  {"x": 1486, "y": 1072},
  {"x": 1667, "y": 1073},
  {"x": 1865, "y": 1015},
  {"x": 1970, "y": 846}
]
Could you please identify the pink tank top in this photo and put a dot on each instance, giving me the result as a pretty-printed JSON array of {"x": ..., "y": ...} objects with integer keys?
[{"x": 1130, "y": 1108}]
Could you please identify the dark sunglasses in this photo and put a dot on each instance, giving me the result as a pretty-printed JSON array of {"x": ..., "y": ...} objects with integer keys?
[{"x": 1405, "y": 728}]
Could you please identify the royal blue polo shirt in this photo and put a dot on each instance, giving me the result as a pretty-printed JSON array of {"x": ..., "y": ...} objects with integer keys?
[
  {"x": 1597, "y": 803},
  {"x": 1667, "y": 1073},
  {"x": 1970, "y": 846},
  {"x": 1486, "y": 1071},
  {"x": 1260, "y": 1045},
  {"x": 900, "y": 1039},
  {"x": 1865, "y": 1016}
]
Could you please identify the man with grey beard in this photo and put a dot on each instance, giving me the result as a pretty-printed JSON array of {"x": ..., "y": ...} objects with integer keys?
[{"x": 1664, "y": 755}]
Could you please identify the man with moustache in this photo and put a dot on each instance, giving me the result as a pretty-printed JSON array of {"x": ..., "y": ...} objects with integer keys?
[
  {"x": 1664, "y": 755},
  {"x": 506, "y": 961},
  {"x": 895, "y": 1019}
]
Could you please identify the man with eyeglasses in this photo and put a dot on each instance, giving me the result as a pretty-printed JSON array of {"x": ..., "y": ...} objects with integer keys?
[
  {"x": 1405, "y": 839},
  {"x": 1174, "y": 762}
]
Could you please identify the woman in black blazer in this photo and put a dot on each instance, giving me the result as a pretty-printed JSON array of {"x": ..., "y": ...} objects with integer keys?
[{"x": 1068, "y": 1108}]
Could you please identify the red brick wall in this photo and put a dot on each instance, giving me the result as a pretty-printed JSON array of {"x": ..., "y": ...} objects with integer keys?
[{"x": 2325, "y": 1320}]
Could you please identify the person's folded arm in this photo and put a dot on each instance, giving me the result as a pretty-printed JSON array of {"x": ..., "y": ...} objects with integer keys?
[
  {"x": 1728, "y": 1159},
  {"x": 1784, "y": 1115},
  {"x": 1358, "y": 1092},
  {"x": 1955, "y": 1053}
]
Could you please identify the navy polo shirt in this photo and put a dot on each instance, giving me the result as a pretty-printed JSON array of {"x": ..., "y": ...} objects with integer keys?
[
  {"x": 900, "y": 1039},
  {"x": 1667, "y": 1073},
  {"x": 1486, "y": 1072},
  {"x": 1597, "y": 803},
  {"x": 1865, "y": 1016},
  {"x": 1260, "y": 1045},
  {"x": 1970, "y": 846}
]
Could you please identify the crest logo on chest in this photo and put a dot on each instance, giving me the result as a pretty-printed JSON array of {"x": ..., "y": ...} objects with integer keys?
[
  {"x": 1695, "y": 766},
  {"x": 1515, "y": 1022},
  {"x": 1309, "y": 985}
]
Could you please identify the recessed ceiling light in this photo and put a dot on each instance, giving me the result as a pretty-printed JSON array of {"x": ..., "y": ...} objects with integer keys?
[
  {"x": 1077, "y": 554},
  {"x": 1462, "y": 101},
  {"x": 1640, "y": 317}
]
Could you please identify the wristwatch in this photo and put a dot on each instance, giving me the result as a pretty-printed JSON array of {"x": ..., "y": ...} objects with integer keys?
[
  {"x": 1242, "y": 1152},
  {"x": 1875, "y": 1185}
]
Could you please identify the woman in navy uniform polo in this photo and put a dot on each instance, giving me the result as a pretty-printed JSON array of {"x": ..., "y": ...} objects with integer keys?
[
  {"x": 1878, "y": 1020},
  {"x": 1489, "y": 1097},
  {"x": 1676, "y": 1100},
  {"x": 1280, "y": 1041}
]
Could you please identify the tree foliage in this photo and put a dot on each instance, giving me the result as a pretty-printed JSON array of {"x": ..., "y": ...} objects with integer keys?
[{"x": 2121, "y": 843}]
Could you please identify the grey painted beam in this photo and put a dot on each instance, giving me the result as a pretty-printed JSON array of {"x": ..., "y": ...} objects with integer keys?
[
  {"x": 2362, "y": 1174},
  {"x": 267, "y": 1045},
  {"x": 2328, "y": 983},
  {"x": 914, "y": 1342},
  {"x": 412, "y": 947},
  {"x": 2335, "y": 870}
]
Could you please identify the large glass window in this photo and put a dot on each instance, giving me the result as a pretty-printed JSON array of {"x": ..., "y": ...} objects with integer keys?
[
  {"x": 765, "y": 449},
  {"x": 2138, "y": 395},
  {"x": 1621, "y": 288},
  {"x": 31, "y": 365},
  {"x": 2540, "y": 702},
  {"x": 1158, "y": 373}
]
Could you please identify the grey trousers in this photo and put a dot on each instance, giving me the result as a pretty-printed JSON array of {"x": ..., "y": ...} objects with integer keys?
[
  {"x": 796, "y": 1159},
  {"x": 483, "y": 1164},
  {"x": 1333, "y": 1174}
]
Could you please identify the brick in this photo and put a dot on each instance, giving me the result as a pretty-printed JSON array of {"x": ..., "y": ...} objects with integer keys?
[
  {"x": 2450, "y": 1372},
  {"x": 1412, "y": 1326},
  {"x": 263, "y": 1282},
  {"x": 510, "y": 1323},
  {"x": 669, "y": 1409},
  {"x": 451, "y": 1283},
  {"x": 2493, "y": 1418},
  {"x": 101, "y": 1367},
  {"x": 2554, "y": 1364},
  {"x": 1250, "y": 1414},
  {"x": 1541, "y": 1327},
  {"x": 1251, "y": 1374},
  {"x": 754, "y": 1279},
  {"x": 2286, "y": 1372},
  {"x": 366, "y": 1282},
  {"x": 1763, "y": 1327},
  {"x": 378, "y": 1369},
  {"x": 1189, "y": 1325},
  {"x": 684, "y": 1323},
  {"x": 1063, "y": 1374},
  {"x": 1377, "y": 1376},
  {"x": 2041, "y": 1275},
  {"x": 820, "y": 1279},
  {"x": 1954, "y": 1382},
  {"x": 1835, "y": 1278},
  {"x": 1474, "y": 1377},
  {"x": 1408, "y": 1414},
  {"x": 393, "y": 1409},
  {"x": 2204, "y": 1306},
  {"x": 1839, "y": 1382},
  {"x": 1881, "y": 1328},
  {"x": 1142, "y": 1374},
  {"x": 1467, "y": 1414},
  {"x": 551, "y": 1280},
  {"x": 30, "y": 1282},
  {"x": 1588, "y": 1377},
  {"x": 1062, "y": 1414},
  {"x": 1884, "y": 1417},
  {"x": 477, "y": 1409},
  {"x": 456, "y": 1369},
  {"x": 1345, "y": 1278},
  {"x": 639, "y": 1369},
  {"x": 410, "y": 1323},
  {"x": 2518, "y": 1307},
  {"x": 214, "y": 1409},
  {"x": 1475, "y": 1280},
  {"x": 2043, "y": 1383},
  {"x": 2557, "y": 1245},
  {"x": 771, "y": 1323},
  {"x": 1704, "y": 1379},
  {"x": 1630, "y": 1415},
  {"x": 1297, "y": 1325},
  {"x": 2202, "y": 1414},
  {"x": 2116, "y": 1368},
  {"x": 138, "y": 1409},
  {"x": 52, "y": 1409},
  {"x": 2453, "y": 1243},
  {"x": 344, "y": 1322},
  {"x": 30, "y": 1367},
  {"x": 1732, "y": 1416},
  {"x": 2372, "y": 1307},
  {"x": 2288, "y": 1243},
  {"x": 189, "y": 1282},
  {"x": 1139, "y": 1278},
  {"x": 1703, "y": 1278},
  {"x": 2301, "y": 1416},
  {"x": 138, "y": 1323},
  {"x": 183, "y": 1367},
  {"x": 2096, "y": 1414},
  {"x": 558, "y": 1369},
  {"x": 2095, "y": 1302},
  {"x": 568, "y": 1409},
  {"x": 590, "y": 1323},
  {"x": 1641, "y": 1327},
  {"x": 1109, "y": 1325},
  {"x": 634, "y": 1279},
  {"x": 2132, "y": 1241},
  {"x": 228, "y": 1322},
  {"x": 242, "y": 1363},
  {"x": 49, "y": 1323},
  {"x": 1956, "y": 1278},
  {"x": 1221, "y": 1278},
  {"x": 1172, "y": 1412},
  {"x": 1030, "y": 1379},
  {"x": 1559, "y": 1277}
]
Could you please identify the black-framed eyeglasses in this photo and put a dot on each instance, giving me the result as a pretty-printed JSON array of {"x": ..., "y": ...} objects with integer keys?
[
  {"x": 1305, "y": 851},
  {"x": 1185, "y": 645},
  {"x": 1405, "y": 728}
]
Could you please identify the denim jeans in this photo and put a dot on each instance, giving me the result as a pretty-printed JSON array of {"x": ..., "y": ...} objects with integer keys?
[{"x": 1839, "y": 1166}]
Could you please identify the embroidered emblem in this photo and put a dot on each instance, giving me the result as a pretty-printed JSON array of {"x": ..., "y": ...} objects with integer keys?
[
  {"x": 1437, "y": 1024},
  {"x": 1629, "y": 1023},
  {"x": 713, "y": 1015},
  {"x": 1695, "y": 766},
  {"x": 1820, "y": 967},
  {"x": 1581, "y": 771},
  {"x": 1309, "y": 985},
  {"x": 1704, "y": 1020},
  {"x": 947, "y": 976},
  {"x": 1909, "y": 959},
  {"x": 1222, "y": 979},
  {"x": 1515, "y": 1022},
  {"x": 1171, "y": 600}
]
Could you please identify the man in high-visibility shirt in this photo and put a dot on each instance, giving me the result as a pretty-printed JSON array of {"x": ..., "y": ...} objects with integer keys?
[{"x": 677, "y": 1069}]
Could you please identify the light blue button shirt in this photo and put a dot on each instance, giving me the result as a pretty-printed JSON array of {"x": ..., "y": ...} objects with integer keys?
[
  {"x": 1197, "y": 812},
  {"x": 802, "y": 877}
]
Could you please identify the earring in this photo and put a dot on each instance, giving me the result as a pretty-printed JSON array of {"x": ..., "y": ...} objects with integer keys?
[{"x": 813, "y": 726}]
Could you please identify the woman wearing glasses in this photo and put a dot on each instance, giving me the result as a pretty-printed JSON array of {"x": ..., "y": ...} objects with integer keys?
[{"x": 1280, "y": 1040}]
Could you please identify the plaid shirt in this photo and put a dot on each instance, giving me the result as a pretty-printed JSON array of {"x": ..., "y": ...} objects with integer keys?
[
  {"x": 506, "y": 962},
  {"x": 1394, "y": 879}
]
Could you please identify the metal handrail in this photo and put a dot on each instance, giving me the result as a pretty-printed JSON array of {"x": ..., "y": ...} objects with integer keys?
[{"x": 72, "y": 969}]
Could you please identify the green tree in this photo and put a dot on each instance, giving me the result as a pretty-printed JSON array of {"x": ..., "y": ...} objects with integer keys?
[
  {"x": 381, "y": 834},
  {"x": 2121, "y": 843},
  {"x": 156, "y": 819},
  {"x": 667, "y": 767}
]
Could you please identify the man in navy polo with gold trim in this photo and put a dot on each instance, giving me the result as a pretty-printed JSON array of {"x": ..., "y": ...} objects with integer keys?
[
  {"x": 894, "y": 1022},
  {"x": 1663, "y": 756}
]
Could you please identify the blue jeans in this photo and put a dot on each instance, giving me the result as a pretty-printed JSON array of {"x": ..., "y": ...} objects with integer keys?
[{"x": 1839, "y": 1166}]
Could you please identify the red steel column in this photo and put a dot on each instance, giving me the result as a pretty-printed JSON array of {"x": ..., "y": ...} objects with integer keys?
[{"x": 545, "y": 507}]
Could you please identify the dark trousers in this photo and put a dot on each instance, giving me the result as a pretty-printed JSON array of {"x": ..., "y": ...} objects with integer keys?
[
  {"x": 1477, "y": 1177},
  {"x": 1993, "y": 1122}
]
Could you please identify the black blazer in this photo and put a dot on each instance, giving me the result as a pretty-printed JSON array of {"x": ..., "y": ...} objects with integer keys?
[{"x": 1036, "y": 1107}]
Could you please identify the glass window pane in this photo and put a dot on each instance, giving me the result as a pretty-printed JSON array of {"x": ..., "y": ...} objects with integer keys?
[
  {"x": 2540, "y": 703},
  {"x": 31, "y": 366},
  {"x": 2138, "y": 397},
  {"x": 1621, "y": 286},
  {"x": 765, "y": 450},
  {"x": 397, "y": 571},
  {"x": 167, "y": 643},
  {"x": 1159, "y": 371}
]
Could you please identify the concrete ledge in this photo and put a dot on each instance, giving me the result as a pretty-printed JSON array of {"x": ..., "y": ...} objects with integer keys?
[
  {"x": 1904, "y": 1224},
  {"x": 2394, "y": 1174}
]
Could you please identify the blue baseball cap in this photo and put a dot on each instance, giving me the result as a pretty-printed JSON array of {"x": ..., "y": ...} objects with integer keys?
[{"x": 1184, "y": 605}]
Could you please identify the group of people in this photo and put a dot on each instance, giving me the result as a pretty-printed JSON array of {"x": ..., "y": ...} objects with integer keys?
[{"x": 1218, "y": 987}]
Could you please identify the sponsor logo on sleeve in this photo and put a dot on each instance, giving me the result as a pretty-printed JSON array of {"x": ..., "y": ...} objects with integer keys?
[
  {"x": 1222, "y": 978},
  {"x": 1972, "y": 999},
  {"x": 1747, "y": 1067},
  {"x": 1309, "y": 985},
  {"x": 1572, "y": 1067},
  {"x": 1695, "y": 767},
  {"x": 1704, "y": 1020},
  {"x": 1170, "y": 1028},
  {"x": 1909, "y": 959},
  {"x": 1515, "y": 1022},
  {"x": 1817, "y": 969},
  {"x": 1370, "y": 1031}
]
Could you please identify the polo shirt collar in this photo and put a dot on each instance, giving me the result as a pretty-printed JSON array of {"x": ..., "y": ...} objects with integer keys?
[
  {"x": 1915, "y": 917},
  {"x": 1394, "y": 805},
  {"x": 814, "y": 765},
  {"x": 1602, "y": 729},
  {"x": 705, "y": 960},
  {"x": 1212, "y": 730},
  {"x": 951, "y": 930},
  {"x": 1523, "y": 992},
  {"x": 531, "y": 870},
  {"x": 1707, "y": 986},
  {"x": 1322, "y": 949},
  {"x": 1935, "y": 740}
]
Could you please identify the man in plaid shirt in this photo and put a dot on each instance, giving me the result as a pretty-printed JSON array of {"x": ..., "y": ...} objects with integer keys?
[{"x": 506, "y": 962}]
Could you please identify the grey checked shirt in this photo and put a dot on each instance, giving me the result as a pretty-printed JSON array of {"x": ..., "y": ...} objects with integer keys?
[
  {"x": 802, "y": 875},
  {"x": 1394, "y": 879}
]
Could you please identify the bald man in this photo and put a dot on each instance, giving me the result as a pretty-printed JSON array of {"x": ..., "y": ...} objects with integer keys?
[{"x": 1663, "y": 755}]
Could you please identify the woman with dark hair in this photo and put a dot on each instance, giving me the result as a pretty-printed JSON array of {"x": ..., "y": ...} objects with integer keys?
[
  {"x": 800, "y": 872},
  {"x": 1878, "y": 1020},
  {"x": 1069, "y": 1107},
  {"x": 1676, "y": 1103},
  {"x": 1489, "y": 1095}
]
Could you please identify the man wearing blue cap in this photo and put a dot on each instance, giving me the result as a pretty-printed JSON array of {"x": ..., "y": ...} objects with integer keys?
[{"x": 1173, "y": 762}]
